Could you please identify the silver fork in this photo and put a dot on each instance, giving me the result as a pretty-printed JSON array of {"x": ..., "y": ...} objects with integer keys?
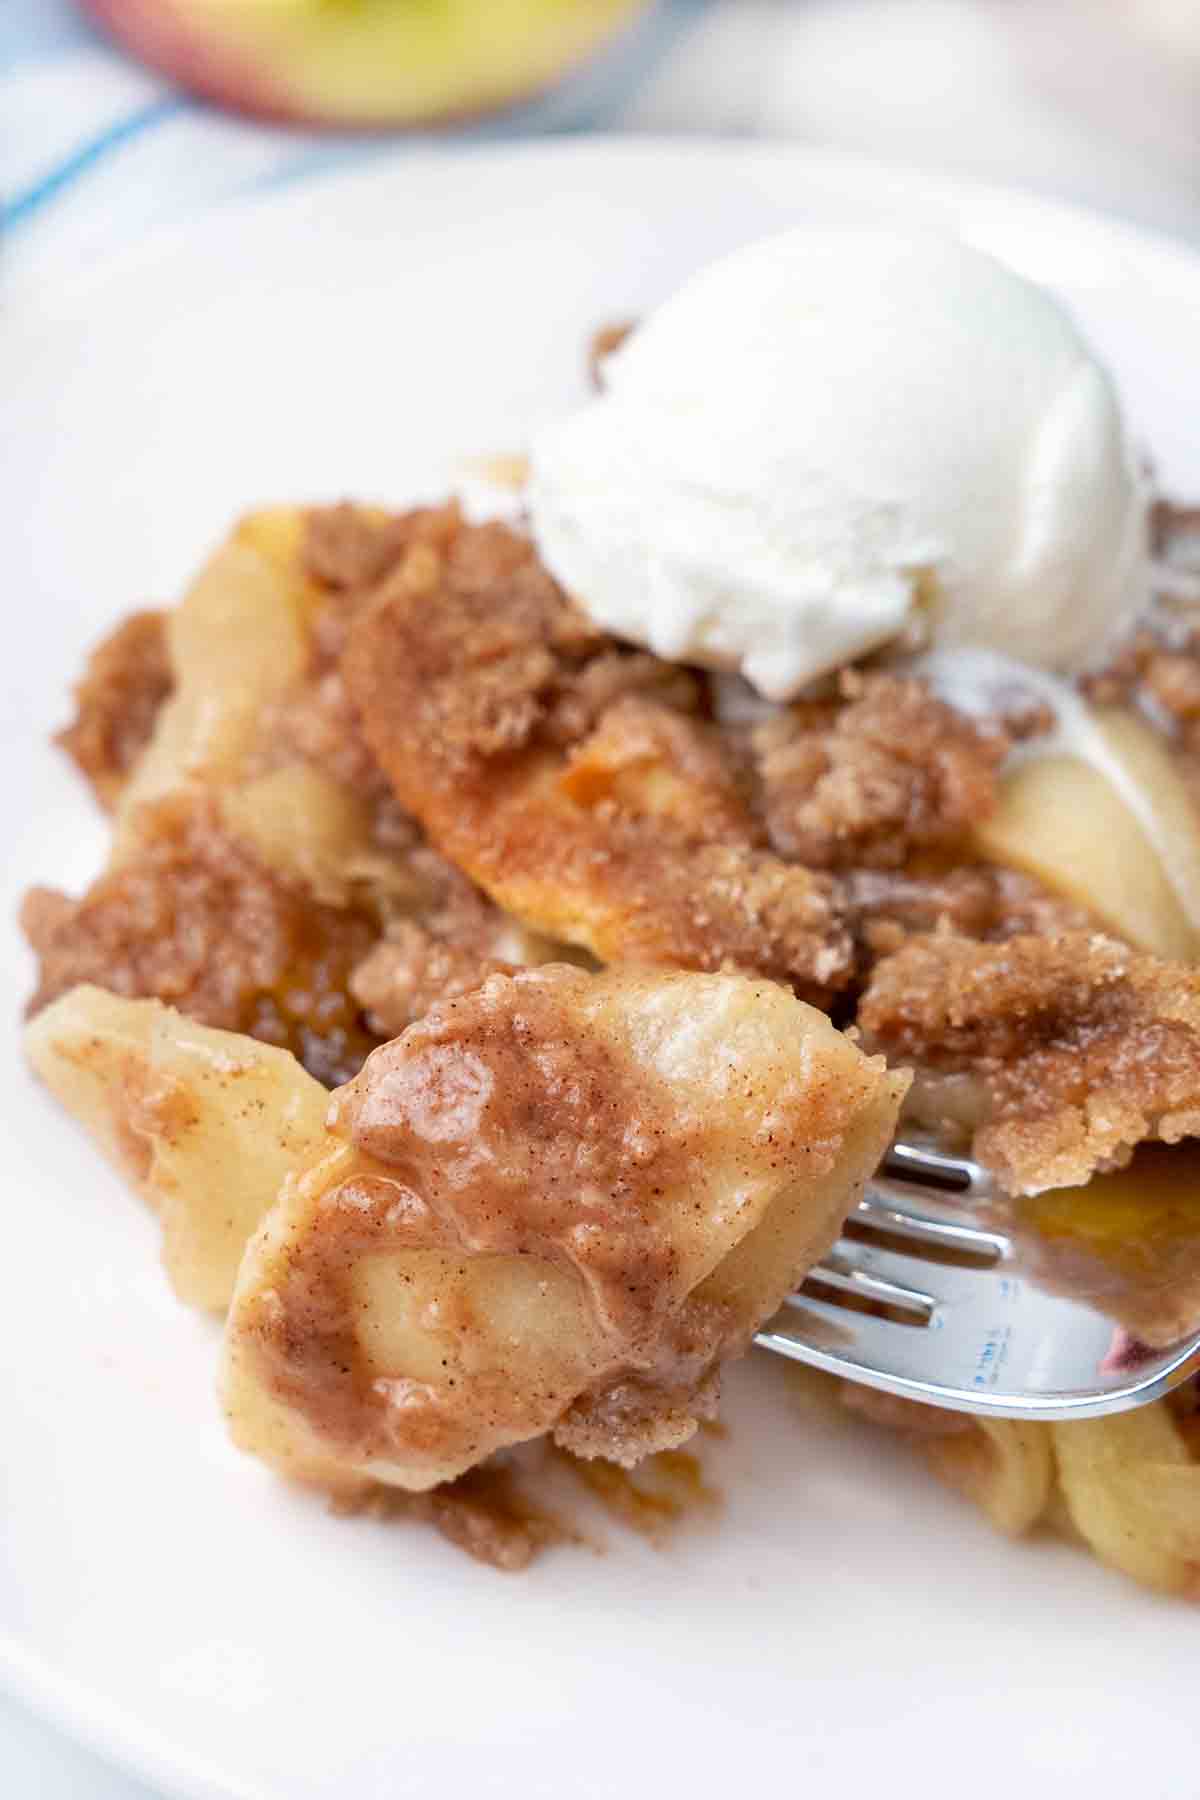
[{"x": 950, "y": 1319}]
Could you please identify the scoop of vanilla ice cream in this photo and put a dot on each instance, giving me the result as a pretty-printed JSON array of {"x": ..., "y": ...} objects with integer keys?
[{"x": 828, "y": 429}]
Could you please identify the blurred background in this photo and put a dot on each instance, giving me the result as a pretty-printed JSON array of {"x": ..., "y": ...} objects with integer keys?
[{"x": 121, "y": 114}]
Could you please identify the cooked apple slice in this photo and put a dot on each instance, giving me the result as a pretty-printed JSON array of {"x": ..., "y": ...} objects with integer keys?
[
  {"x": 237, "y": 640},
  {"x": 553, "y": 1205},
  {"x": 1132, "y": 1490},
  {"x": 1068, "y": 822},
  {"x": 362, "y": 62},
  {"x": 205, "y": 1124}
]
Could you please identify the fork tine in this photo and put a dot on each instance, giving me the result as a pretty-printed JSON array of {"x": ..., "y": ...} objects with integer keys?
[
  {"x": 923, "y": 1167},
  {"x": 941, "y": 1284},
  {"x": 840, "y": 1270},
  {"x": 991, "y": 1339},
  {"x": 924, "y": 1230},
  {"x": 824, "y": 1335}
]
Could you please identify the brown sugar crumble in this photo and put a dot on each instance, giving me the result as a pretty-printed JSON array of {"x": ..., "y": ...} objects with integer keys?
[
  {"x": 488, "y": 1512},
  {"x": 506, "y": 1516},
  {"x": 532, "y": 780},
  {"x": 533, "y": 789},
  {"x": 504, "y": 720},
  {"x": 193, "y": 915},
  {"x": 885, "y": 772},
  {"x": 126, "y": 680},
  {"x": 974, "y": 900},
  {"x": 193, "y": 918},
  {"x": 1081, "y": 1047},
  {"x": 587, "y": 788},
  {"x": 448, "y": 945}
]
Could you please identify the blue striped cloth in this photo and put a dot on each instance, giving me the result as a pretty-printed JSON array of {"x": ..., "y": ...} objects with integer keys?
[{"x": 95, "y": 150}]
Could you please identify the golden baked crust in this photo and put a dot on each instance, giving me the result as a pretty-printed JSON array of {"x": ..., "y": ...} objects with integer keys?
[
  {"x": 1082, "y": 1048},
  {"x": 498, "y": 713}
]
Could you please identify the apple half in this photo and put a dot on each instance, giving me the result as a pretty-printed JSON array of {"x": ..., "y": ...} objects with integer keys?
[{"x": 363, "y": 63}]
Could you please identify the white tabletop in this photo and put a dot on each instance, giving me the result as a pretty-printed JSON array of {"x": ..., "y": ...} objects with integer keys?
[{"x": 1093, "y": 100}]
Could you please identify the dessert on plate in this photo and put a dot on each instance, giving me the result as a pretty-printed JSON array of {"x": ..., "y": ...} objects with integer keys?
[{"x": 522, "y": 934}]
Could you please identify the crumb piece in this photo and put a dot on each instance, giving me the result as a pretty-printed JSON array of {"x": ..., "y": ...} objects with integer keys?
[
  {"x": 127, "y": 678},
  {"x": 411, "y": 970},
  {"x": 669, "y": 1488},
  {"x": 1172, "y": 679},
  {"x": 192, "y": 918},
  {"x": 890, "y": 771},
  {"x": 975, "y": 900},
  {"x": 618, "y": 678},
  {"x": 349, "y": 547},
  {"x": 632, "y": 1420},
  {"x": 601, "y": 346},
  {"x": 485, "y": 1512},
  {"x": 1156, "y": 673},
  {"x": 316, "y": 723},
  {"x": 644, "y": 760},
  {"x": 456, "y": 939},
  {"x": 1083, "y": 1047}
]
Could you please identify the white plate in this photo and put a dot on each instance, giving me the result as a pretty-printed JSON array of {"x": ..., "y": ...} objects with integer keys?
[{"x": 169, "y": 1600}]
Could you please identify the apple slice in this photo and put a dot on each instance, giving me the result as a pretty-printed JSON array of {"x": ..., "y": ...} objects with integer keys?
[
  {"x": 204, "y": 1124},
  {"x": 237, "y": 641},
  {"x": 553, "y": 1205},
  {"x": 1070, "y": 823},
  {"x": 364, "y": 63}
]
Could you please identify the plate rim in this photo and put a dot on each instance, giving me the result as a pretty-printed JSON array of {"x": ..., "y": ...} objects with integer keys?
[{"x": 26, "y": 290}]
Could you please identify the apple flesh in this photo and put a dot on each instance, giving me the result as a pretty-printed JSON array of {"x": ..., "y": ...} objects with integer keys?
[
  {"x": 1061, "y": 820},
  {"x": 205, "y": 1124},
  {"x": 362, "y": 63}
]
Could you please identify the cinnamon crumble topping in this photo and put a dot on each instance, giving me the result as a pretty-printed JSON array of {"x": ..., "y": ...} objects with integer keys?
[
  {"x": 454, "y": 941},
  {"x": 348, "y": 547},
  {"x": 975, "y": 900},
  {"x": 1082, "y": 1047},
  {"x": 199, "y": 915},
  {"x": 866, "y": 783},
  {"x": 126, "y": 680},
  {"x": 479, "y": 685},
  {"x": 193, "y": 918}
]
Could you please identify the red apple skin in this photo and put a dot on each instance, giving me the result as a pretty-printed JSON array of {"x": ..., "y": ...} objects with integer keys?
[
  {"x": 162, "y": 37},
  {"x": 159, "y": 34}
]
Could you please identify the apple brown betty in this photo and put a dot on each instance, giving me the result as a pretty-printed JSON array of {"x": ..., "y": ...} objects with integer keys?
[{"x": 392, "y": 817}]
